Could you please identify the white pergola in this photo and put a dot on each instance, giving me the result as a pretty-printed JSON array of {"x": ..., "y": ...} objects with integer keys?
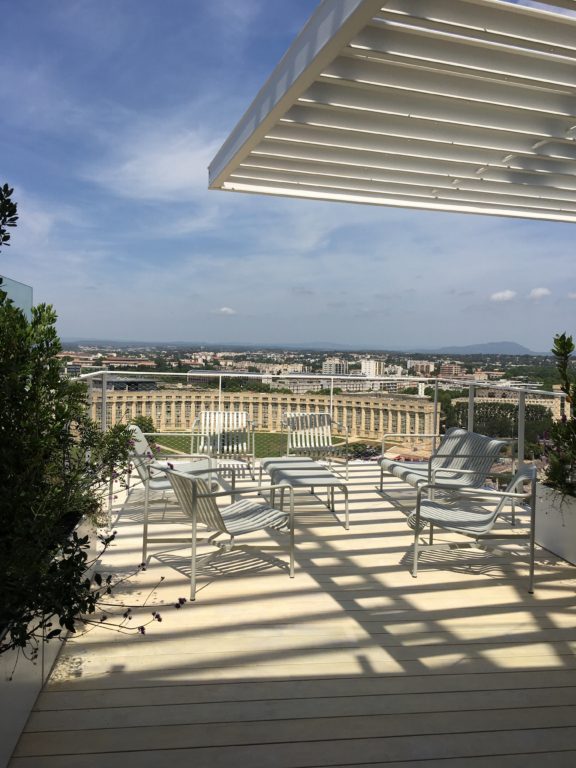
[{"x": 452, "y": 105}]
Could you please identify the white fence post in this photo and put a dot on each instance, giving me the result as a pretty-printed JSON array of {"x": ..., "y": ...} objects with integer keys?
[
  {"x": 521, "y": 426},
  {"x": 104, "y": 408},
  {"x": 436, "y": 422},
  {"x": 331, "y": 396},
  {"x": 471, "y": 394}
]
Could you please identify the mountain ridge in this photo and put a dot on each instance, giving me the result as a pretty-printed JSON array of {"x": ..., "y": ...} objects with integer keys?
[{"x": 487, "y": 348}]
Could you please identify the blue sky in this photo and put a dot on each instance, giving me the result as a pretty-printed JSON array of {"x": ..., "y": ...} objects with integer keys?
[{"x": 111, "y": 112}]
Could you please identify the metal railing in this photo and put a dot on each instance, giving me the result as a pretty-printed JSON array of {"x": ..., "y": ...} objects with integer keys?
[{"x": 354, "y": 385}]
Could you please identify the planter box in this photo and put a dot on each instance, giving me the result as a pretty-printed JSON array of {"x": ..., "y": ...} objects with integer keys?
[
  {"x": 18, "y": 696},
  {"x": 556, "y": 523}
]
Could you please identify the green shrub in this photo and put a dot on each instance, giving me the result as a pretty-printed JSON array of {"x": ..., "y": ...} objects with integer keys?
[
  {"x": 561, "y": 446},
  {"x": 55, "y": 468}
]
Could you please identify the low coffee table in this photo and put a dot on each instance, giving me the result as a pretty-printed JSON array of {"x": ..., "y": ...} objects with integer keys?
[{"x": 303, "y": 472}]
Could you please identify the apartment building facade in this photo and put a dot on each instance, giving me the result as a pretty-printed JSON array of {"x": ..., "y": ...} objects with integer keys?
[
  {"x": 334, "y": 366},
  {"x": 366, "y": 416}
]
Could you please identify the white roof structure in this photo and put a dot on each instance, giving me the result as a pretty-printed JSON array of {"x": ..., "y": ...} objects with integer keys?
[{"x": 452, "y": 105}]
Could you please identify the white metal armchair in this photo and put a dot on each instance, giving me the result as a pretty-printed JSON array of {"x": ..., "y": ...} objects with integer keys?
[
  {"x": 310, "y": 434},
  {"x": 152, "y": 473},
  {"x": 225, "y": 435},
  {"x": 463, "y": 459},
  {"x": 473, "y": 512},
  {"x": 245, "y": 515}
]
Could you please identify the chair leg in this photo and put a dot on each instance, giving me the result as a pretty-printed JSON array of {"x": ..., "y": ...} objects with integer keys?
[
  {"x": 431, "y": 535},
  {"x": 415, "y": 556},
  {"x": 145, "y": 527},
  {"x": 193, "y": 558},
  {"x": 416, "y": 533},
  {"x": 291, "y": 533}
]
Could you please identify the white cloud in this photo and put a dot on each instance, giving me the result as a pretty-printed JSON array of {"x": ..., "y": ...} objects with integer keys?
[
  {"x": 165, "y": 163},
  {"x": 572, "y": 295},
  {"x": 538, "y": 293},
  {"x": 225, "y": 311},
  {"x": 503, "y": 296}
]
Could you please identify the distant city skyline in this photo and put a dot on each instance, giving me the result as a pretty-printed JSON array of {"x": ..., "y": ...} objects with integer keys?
[{"x": 111, "y": 114}]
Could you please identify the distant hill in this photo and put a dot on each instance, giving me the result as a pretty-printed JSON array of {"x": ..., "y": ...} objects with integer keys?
[{"x": 490, "y": 348}]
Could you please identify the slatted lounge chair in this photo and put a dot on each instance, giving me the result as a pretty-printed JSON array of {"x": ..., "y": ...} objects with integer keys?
[
  {"x": 225, "y": 435},
  {"x": 151, "y": 472},
  {"x": 473, "y": 512},
  {"x": 463, "y": 459},
  {"x": 310, "y": 434},
  {"x": 246, "y": 515}
]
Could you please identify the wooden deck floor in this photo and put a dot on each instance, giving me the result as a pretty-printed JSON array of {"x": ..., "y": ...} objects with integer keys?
[{"x": 352, "y": 663}]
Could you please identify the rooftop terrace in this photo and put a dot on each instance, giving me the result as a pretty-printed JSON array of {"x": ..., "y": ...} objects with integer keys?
[{"x": 353, "y": 662}]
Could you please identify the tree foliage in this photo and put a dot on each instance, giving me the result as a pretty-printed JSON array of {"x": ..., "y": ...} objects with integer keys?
[
  {"x": 561, "y": 446},
  {"x": 8, "y": 213},
  {"x": 501, "y": 420},
  {"x": 56, "y": 464},
  {"x": 145, "y": 423}
]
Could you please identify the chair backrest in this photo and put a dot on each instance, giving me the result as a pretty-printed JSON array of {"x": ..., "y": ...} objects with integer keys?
[
  {"x": 193, "y": 495},
  {"x": 142, "y": 454},
  {"x": 461, "y": 449},
  {"x": 224, "y": 433},
  {"x": 308, "y": 431}
]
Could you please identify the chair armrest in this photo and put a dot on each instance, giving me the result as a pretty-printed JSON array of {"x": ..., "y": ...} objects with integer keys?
[
  {"x": 200, "y": 472},
  {"x": 251, "y": 489},
  {"x": 479, "y": 493},
  {"x": 489, "y": 493}
]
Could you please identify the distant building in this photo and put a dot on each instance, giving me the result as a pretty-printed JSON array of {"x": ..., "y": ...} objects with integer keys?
[
  {"x": 73, "y": 370},
  {"x": 452, "y": 371},
  {"x": 131, "y": 384},
  {"x": 127, "y": 362},
  {"x": 421, "y": 367},
  {"x": 366, "y": 416},
  {"x": 395, "y": 370},
  {"x": 372, "y": 368},
  {"x": 334, "y": 366}
]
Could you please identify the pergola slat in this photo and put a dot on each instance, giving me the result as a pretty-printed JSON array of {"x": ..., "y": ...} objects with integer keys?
[
  {"x": 441, "y": 190},
  {"x": 503, "y": 182},
  {"x": 497, "y": 20},
  {"x": 322, "y": 116}
]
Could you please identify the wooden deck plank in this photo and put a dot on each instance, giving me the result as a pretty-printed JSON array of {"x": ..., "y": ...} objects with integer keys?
[
  {"x": 303, "y": 754},
  {"x": 331, "y": 687},
  {"x": 311, "y": 729},
  {"x": 294, "y": 709},
  {"x": 223, "y": 759}
]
